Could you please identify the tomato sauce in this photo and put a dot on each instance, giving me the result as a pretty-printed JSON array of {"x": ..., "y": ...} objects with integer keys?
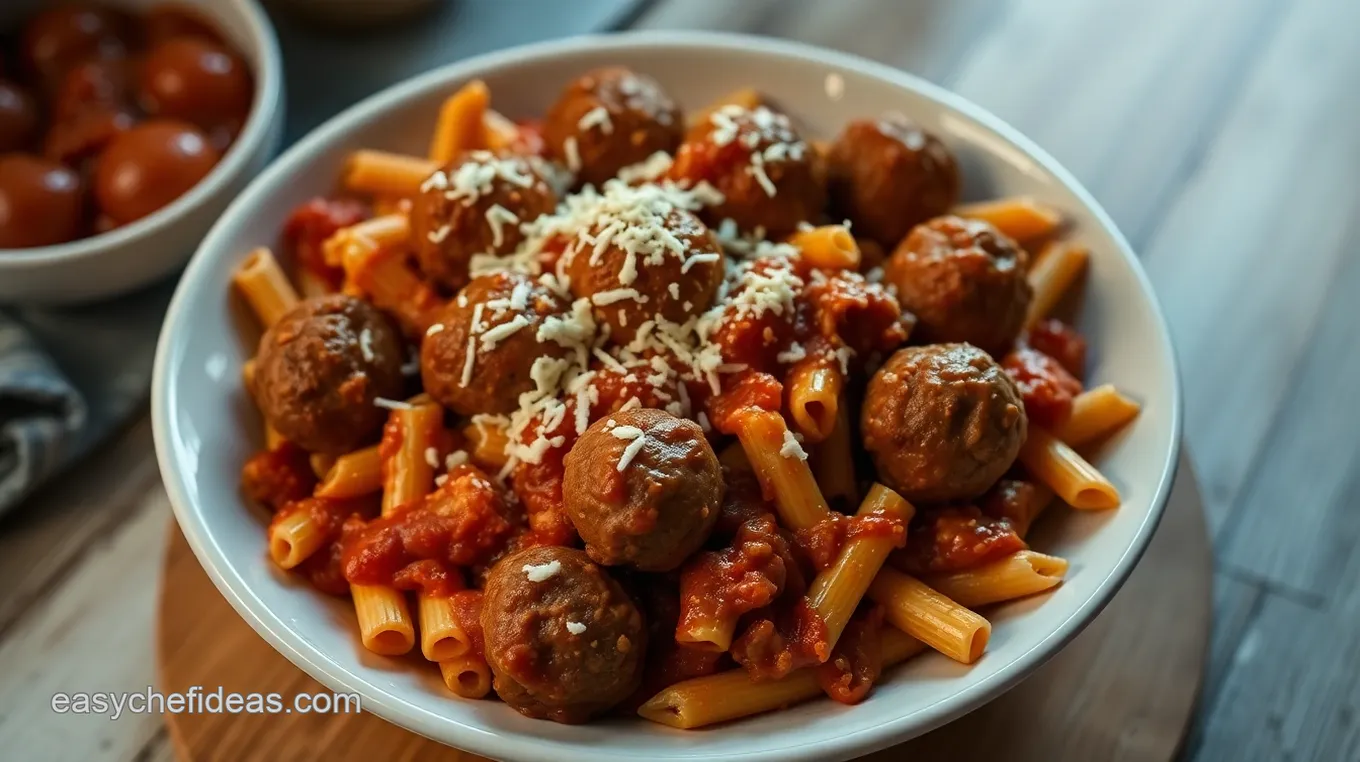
[
  {"x": 311, "y": 224},
  {"x": 1046, "y": 388},
  {"x": 1061, "y": 342},
  {"x": 954, "y": 539},
  {"x": 749, "y": 575},
  {"x": 278, "y": 476},
  {"x": 741, "y": 392},
  {"x": 822, "y": 542},
  {"x": 794, "y": 638},
  {"x": 857, "y": 660}
]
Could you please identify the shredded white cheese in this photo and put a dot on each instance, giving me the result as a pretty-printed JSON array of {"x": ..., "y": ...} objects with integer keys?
[
  {"x": 383, "y": 402},
  {"x": 455, "y": 459},
  {"x": 573, "y": 154},
  {"x": 605, "y": 298},
  {"x": 794, "y": 353},
  {"x": 436, "y": 328},
  {"x": 542, "y": 572},
  {"x": 503, "y": 331},
  {"x": 366, "y": 345},
  {"x": 596, "y": 117},
  {"x": 575, "y": 628},
  {"x": 791, "y": 447},
  {"x": 638, "y": 440},
  {"x": 497, "y": 217}
]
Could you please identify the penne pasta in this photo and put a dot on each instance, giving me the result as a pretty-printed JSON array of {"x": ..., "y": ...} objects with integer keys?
[
  {"x": 782, "y": 470},
  {"x": 321, "y": 463},
  {"x": 713, "y": 635},
  {"x": 293, "y": 538},
  {"x": 1015, "y": 576},
  {"x": 460, "y": 127},
  {"x": 381, "y": 173},
  {"x": 833, "y": 463},
  {"x": 389, "y": 282},
  {"x": 814, "y": 391},
  {"x": 733, "y": 694},
  {"x": 1019, "y": 217},
  {"x": 408, "y": 475},
  {"x": 837, "y": 590},
  {"x": 353, "y": 474},
  {"x": 486, "y": 444},
  {"x": 499, "y": 132},
  {"x": 1076, "y": 481},
  {"x": 1096, "y": 414},
  {"x": 467, "y": 676},
  {"x": 385, "y": 625},
  {"x": 923, "y": 613},
  {"x": 441, "y": 635},
  {"x": 1051, "y": 275},
  {"x": 386, "y": 231},
  {"x": 830, "y": 247},
  {"x": 261, "y": 281}
]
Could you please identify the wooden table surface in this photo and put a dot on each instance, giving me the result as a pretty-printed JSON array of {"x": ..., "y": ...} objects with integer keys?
[{"x": 1223, "y": 139}]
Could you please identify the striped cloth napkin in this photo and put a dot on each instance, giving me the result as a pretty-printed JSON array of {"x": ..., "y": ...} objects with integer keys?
[{"x": 68, "y": 379}]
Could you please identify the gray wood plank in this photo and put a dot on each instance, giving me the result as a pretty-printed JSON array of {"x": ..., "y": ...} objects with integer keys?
[
  {"x": 93, "y": 633},
  {"x": 1124, "y": 93},
  {"x": 46, "y": 536},
  {"x": 1237, "y": 601},
  {"x": 1296, "y": 523},
  {"x": 1244, "y": 257},
  {"x": 1291, "y": 693}
]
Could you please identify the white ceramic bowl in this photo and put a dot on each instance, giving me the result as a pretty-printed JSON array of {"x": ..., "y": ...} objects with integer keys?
[
  {"x": 205, "y": 426},
  {"x": 136, "y": 254}
]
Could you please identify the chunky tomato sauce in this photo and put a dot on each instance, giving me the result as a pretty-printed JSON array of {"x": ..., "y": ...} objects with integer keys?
[
  {"x": 955, "y": 538},
  {"x": 466, "y": 522},
  {"x": 311, "y": 224},
  {"x": 823, "y": 541},
  {"x": 790, "y": 639},
  {"x": 1061, "y": 342},
  {"x": 857, "y": 660},
  {"x": 717, "y": 586},
  {"x": 748, "y": 390},
  {"x": 1046, "y": 388},
  {"x": 278, "y": 476}
]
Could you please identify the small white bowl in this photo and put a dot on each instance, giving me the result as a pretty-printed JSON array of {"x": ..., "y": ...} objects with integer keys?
[
  {"x": 136, "y": 254},
  {"x": 205, "y": 426}
]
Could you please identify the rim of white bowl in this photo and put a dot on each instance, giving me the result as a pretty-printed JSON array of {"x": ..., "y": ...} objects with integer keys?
[
  {"x": 264, "y": 108},
  {"x": 478, "y": 740}
]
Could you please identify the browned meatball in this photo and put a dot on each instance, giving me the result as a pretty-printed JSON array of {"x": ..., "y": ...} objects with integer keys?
[
  {"x": 660, "y": 261},
  {"x": 964, "y": 281},
  {"x": 563, "y": 639},
  {"x": 608, "y": 119},
  {"x": 886, "y": 175},
  {"x": 503, "y": 311},
  {"x": 942, "y": 422},
  {"x": 643, "y": 488},
  {"x": 770, "y": 179},
  {"x": 475, "y": 206},
  {"x": 321, "y": 367}
]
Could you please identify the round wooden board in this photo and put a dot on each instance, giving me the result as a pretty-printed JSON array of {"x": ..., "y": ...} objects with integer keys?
[{"x": 1125, "y": 688}]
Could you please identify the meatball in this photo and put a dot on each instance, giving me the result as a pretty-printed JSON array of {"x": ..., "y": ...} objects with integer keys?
[
  {"x": 149, "y": 166},
  {"x": 659, "y": 261},
  {"x": 942, "y": 422},
  {"x": 500, "y": 314},
  {"x": 643, "y": 488},
  {"x": 964, "y": 280},
  {"x": 769, "y": 178},
  {"x": 198, "y": 81},
  {"x": 887, "y": 175},
  {"x": 608, "y": 119},
  {"x": 320, "y": 368},
  {"x": 563, "y": 639},
  {"x": 475, "y": 206},
  {"x": 41, "y": 202}
]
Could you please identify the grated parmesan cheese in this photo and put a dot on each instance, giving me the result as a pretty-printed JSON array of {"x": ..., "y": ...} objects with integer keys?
[
  {"x": 455, "y": 459},
  {"x": 791, "y": 447},
  {"x": 388, "y": 404},
  {"x": 497, "y": 217},
  {"x": 596, "y": 117},
  {"x": 575, "y": 628},
  {"x": 794, "y": 353},
  {"x": 501, "y": 332},
  {"x": 572, "y": 153},
  {"x": 638, "y": 440},
  {"x": 366, "y": 345},
  {"x": 605, "y": 298},
  {"x": 542, "y": 572},
  {"x": 437, "y": 327},
  {"x": 432, "y": 457}
]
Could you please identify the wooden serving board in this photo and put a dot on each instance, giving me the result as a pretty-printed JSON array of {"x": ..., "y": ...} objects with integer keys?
[{"x": 1124, "y": 689}]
